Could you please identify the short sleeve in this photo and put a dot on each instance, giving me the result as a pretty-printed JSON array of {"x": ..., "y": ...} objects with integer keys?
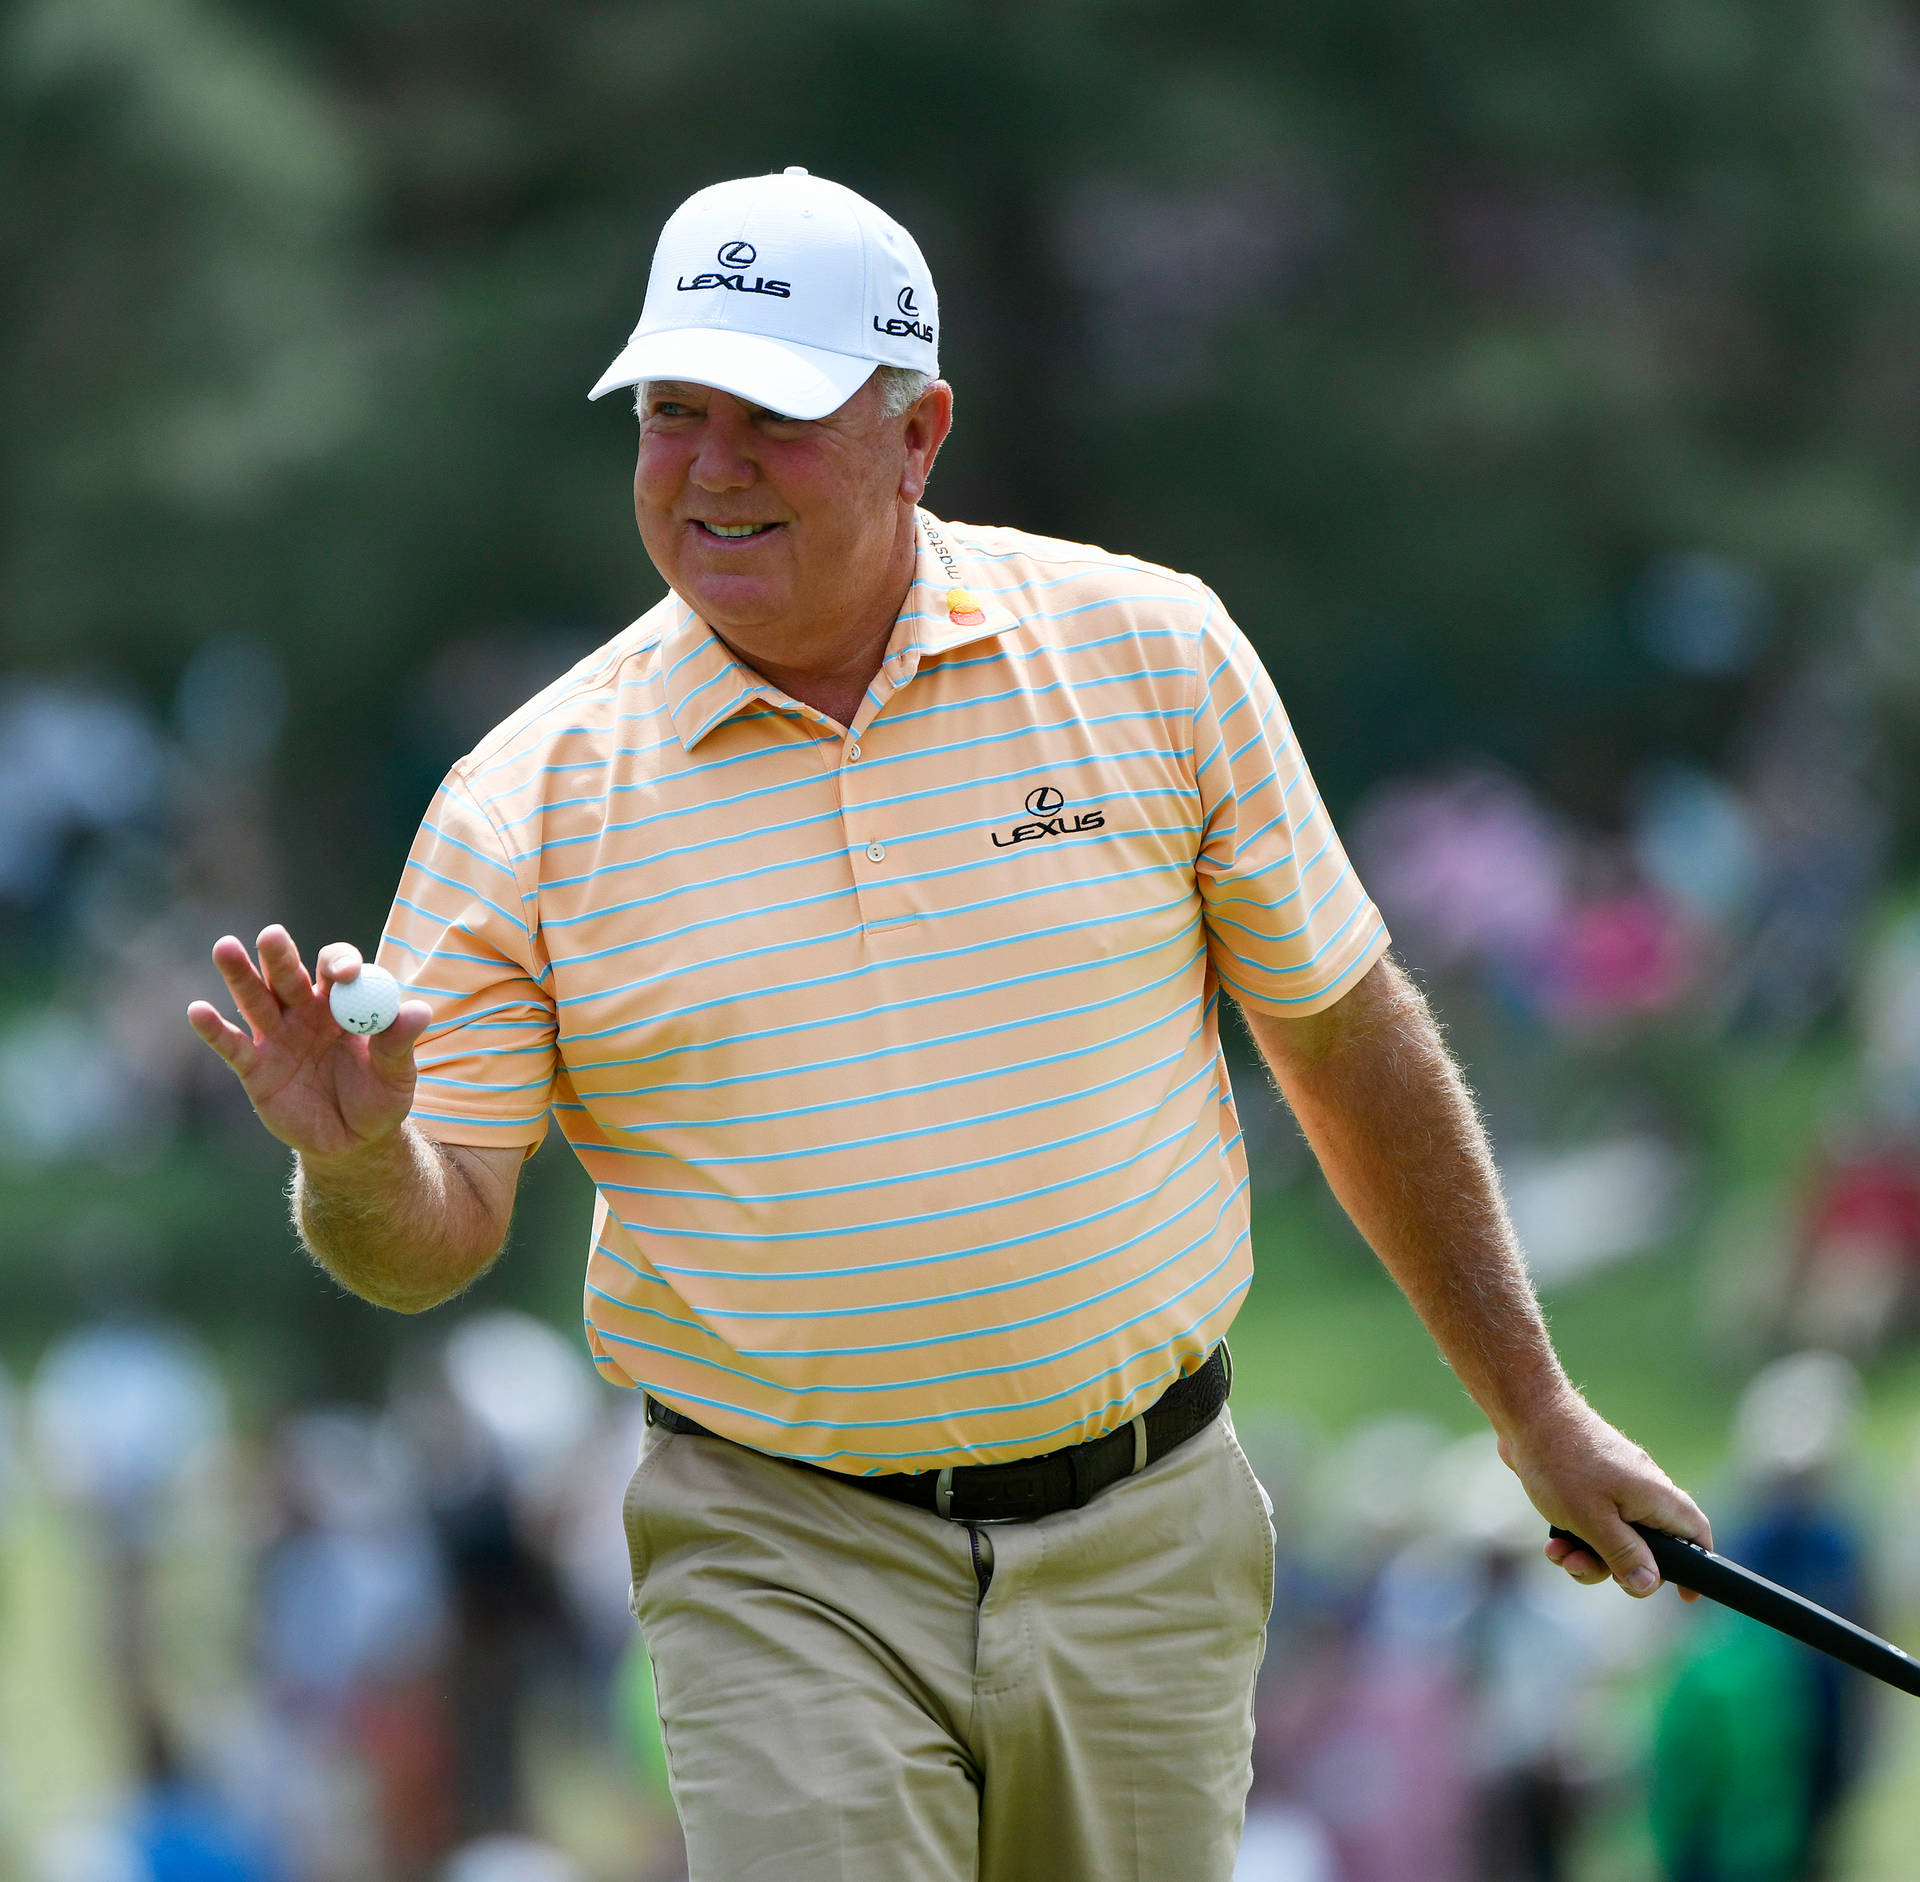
[
  {"x": 1289, "y": 927},
  {"x": 459, "y": 938}
]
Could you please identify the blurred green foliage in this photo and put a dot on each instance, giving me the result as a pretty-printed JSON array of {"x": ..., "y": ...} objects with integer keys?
[{"x": 1417, "y": 330}]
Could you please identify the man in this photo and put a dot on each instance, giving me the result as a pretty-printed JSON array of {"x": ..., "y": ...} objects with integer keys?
[{"x": 862, "y": 913}]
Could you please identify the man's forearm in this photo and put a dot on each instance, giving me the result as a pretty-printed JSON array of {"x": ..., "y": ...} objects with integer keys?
[
  {"x": 1396, "y": 1132},
  {"x": 402, "y": 1224}
]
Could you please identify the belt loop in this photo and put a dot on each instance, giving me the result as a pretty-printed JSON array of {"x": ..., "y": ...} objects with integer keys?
[
  {"x": 943, "y": 1493},
  {"x": 1139, "y": 1444}
]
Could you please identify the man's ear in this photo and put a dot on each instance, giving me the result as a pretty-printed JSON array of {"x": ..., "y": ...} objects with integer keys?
[{"x": 927, "y": 426}]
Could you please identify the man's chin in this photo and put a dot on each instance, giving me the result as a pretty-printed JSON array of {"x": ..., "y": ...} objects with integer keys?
[{"x": 734, "y": 601}]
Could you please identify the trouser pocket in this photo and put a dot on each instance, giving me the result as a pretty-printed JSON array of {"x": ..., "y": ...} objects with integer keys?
[{"x": 633, "y": 1510}]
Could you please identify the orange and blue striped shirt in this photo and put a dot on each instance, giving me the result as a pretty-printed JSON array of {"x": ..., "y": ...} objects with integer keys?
[{"x": 892, "y": 1050}]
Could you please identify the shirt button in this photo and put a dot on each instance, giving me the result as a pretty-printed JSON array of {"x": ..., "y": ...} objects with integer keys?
[
  {"x": 876, "y": 852},
  {"x": 853, "y": 752}
]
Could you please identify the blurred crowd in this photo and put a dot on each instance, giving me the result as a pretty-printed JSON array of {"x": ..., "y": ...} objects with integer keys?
[
  {"x": 1439, "y": 1704},
  {"x": 392, "y": 1642},
  {"x": 129, "y": 839},
  {"x": 1719, "y": 918}
]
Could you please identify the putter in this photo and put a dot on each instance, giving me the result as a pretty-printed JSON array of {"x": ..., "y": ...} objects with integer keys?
[{"x": 1687, "y": 1565}]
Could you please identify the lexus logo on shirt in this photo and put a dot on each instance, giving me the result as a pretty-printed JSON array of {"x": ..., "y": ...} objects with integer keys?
[{"x": 1048, "y": 809}]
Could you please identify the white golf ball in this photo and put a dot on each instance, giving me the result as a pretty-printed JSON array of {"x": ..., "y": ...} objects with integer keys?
[{"x": 369, "y": 1002}]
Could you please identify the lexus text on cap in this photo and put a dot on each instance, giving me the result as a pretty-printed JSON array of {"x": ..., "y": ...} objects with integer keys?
[{"x": 784, "y": 290}]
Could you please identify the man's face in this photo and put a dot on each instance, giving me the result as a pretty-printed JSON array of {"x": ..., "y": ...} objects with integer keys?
[{"x": 772, "y": 527}]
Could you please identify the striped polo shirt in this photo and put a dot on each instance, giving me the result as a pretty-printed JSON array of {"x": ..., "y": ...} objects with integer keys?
[{"x": 892, "y": 1050}]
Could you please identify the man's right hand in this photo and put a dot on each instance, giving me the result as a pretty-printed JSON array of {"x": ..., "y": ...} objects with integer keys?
[{"x": 324, "y": 1091}]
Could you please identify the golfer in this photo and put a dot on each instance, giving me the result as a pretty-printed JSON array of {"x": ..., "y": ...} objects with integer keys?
[{"x": 862, "y": 914}]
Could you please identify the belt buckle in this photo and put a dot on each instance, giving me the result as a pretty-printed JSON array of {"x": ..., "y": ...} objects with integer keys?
[
  {"x": 943, "y": 1500},
  {"x": 1004, "y": 1496}
]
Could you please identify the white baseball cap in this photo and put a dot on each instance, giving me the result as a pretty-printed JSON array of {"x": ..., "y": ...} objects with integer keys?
[{"x": 784, "y": 290}]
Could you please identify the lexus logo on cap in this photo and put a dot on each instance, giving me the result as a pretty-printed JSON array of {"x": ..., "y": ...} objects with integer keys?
[
  {"x": 1045, "y": 801},
  {"x": 735, "y": 258},
  {"x": 907, "y": 324}
]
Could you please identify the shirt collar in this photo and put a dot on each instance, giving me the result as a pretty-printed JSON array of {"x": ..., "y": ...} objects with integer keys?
[
  {"x": 946, "y": 606},
  {"x": 705, "y": 685}
]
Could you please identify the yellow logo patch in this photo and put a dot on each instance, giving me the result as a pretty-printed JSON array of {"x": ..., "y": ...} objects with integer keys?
[{"x": 962, "y": 609}]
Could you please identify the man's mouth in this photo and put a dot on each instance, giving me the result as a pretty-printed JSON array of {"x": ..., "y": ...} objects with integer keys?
[{"x": 735, "y": 532}]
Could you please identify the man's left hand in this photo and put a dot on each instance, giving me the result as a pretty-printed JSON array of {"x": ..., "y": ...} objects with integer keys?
[{"x": 1583, "y": 1475}]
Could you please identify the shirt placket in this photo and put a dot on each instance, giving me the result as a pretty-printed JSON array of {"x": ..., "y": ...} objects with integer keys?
[{"x": 870, "y": 829}]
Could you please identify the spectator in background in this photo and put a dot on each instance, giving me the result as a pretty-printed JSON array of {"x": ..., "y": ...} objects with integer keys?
[
  {"x": 353, "y": 1630},
  {"x": 1760, "y": 1739},
  {"x": 1523, "y": 1648},
  {"x": 1730, "y": 1759},
  {"x": 493, "y": 1418},
  {"x": 1372, "y": 1728},
  {"x": 1856, "y": 1283}
]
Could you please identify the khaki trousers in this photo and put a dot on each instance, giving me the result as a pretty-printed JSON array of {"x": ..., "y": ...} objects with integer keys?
[{"x": 842, "y": 1703}]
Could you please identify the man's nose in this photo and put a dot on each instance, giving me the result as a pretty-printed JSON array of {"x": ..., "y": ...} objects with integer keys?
[{"x": 723, "y": 460}]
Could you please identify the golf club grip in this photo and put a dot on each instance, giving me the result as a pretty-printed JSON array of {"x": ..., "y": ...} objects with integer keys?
[{"x": 1687, "y": 1565}]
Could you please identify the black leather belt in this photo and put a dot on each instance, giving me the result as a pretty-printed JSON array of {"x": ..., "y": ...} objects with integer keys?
[{"x": 1036, "y": 1486}]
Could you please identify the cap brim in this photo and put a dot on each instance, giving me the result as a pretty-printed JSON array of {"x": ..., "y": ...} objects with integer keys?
[{"x": 780, "y": 375}]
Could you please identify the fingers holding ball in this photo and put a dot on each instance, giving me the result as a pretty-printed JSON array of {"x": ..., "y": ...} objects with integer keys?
[{"x": 368, "y": 1003}]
